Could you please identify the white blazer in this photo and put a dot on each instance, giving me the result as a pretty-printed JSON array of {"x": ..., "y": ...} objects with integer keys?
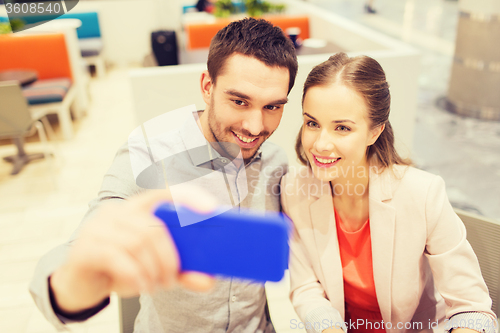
[{"x": 423, "y": 266}]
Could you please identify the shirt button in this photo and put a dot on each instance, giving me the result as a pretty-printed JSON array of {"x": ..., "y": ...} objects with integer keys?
[
  {"x": 224, "y": 160},
  {"x": 233, "y": 298}
]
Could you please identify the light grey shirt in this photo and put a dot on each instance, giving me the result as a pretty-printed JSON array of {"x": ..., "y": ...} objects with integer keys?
[{"x": 233, "y": 305}]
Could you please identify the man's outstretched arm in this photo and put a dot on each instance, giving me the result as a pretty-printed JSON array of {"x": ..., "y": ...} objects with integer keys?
[{"x": 122, "y": 248}]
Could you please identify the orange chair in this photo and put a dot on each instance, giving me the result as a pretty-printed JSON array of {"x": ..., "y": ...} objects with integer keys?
[
  {"x": 46, "y": 54},
  {"x": 200, "y": 34}
]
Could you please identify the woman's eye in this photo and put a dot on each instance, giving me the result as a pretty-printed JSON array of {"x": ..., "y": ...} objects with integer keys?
[
  {"x": 311, "y": 124},
  {"x": 343, "y": 128}
]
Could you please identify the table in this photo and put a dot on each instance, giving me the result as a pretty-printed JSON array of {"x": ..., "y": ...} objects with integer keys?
[{"x": 23, "y": 76}]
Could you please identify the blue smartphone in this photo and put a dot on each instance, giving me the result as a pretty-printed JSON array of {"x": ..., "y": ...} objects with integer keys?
[{"x": 235, "y": 243}]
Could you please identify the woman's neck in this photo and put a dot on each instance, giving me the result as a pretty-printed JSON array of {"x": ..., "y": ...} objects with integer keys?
[{"x": 350, "y": 197}]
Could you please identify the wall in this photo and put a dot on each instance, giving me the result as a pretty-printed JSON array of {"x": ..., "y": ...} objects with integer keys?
[
  {"x": 126, "y": 25},
  {"x": 158, "y": 90}
]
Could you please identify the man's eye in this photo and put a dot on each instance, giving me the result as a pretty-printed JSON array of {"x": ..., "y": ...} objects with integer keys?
[
  {"x": 272, "y": 107},
  {"x": 239, "y": 102},
  {"x": 311, "y": 124}
]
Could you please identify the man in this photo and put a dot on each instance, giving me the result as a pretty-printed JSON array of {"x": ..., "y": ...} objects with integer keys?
[{"x": 251, "y": 69}]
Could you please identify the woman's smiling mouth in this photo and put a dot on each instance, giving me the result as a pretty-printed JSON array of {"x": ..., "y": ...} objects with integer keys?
[{"x": 325, "y": 162}]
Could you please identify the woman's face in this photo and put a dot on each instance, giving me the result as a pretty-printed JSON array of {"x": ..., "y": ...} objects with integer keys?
[{"x": 336, "y": 132}]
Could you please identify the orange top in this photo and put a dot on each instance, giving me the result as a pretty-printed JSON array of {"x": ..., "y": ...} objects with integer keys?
[{"x": 357, "y": 267}]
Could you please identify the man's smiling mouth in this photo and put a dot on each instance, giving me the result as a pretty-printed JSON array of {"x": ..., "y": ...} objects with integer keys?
[{"x": 245, "y": 139}]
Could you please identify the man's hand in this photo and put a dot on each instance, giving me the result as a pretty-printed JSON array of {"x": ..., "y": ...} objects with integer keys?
[{"x": 124, "y": 248}]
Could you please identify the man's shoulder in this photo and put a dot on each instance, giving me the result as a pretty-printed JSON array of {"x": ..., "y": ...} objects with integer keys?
[{"x": 159, "y": 146}]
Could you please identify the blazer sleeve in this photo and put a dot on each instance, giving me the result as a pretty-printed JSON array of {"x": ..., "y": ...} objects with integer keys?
[
  {"x": 306, "y": 292},
  {"x": 454, "y": 265}
]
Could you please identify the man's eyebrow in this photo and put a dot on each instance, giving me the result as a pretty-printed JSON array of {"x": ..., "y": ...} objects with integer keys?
[
  {"x": 244, "y": 96},
  {"x": 236, "y": 94},
  {"x": 279, "y": 101},
  {"x": 334, "y": 121}
]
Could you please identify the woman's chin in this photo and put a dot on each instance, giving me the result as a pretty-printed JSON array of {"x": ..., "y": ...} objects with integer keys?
[{"x": 324, "y": 174}]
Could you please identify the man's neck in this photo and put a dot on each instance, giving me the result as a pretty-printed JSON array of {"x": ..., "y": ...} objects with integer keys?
[{"x": 202, "y": 122}]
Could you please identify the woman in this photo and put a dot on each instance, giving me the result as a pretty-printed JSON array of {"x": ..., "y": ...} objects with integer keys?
[{"x": 376, "y": 246}]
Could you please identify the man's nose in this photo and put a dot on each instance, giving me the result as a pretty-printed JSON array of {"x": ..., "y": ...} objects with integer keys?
[
  {"x": 324, "y": 142},
  {"x": 254, "y": 122}
]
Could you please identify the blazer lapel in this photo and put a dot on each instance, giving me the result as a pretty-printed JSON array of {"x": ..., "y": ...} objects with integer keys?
[
  {"x": 323, "y": 223},
  {"x": 382, "y": 225}
]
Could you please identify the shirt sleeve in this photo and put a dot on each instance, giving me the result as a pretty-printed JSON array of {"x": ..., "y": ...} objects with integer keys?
[
  {"x": 68, "y": 318},
  {"x": 118, "y": 184}
]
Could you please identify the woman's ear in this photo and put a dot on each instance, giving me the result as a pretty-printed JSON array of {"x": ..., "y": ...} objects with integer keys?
[
  {"x": 375, "y": 133},
  {"x": 206, "y": 86}
]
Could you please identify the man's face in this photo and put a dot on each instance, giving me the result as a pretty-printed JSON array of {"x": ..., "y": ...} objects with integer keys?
[{"x": 245, "y": 106}]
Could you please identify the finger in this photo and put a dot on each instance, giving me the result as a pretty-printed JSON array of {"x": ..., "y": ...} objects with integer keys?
[
  {"x": 151, "y": 244},
  {"x": 195, "y": 198},
  {"x": 162, "y": 248},
  {"x": 196, "y": 281},
  {"x": 143, "y": 242},
  {"x": 127, "y": 277},
  {"x": 149, "y": 200},
  {"x": 146, "y": 261},
  {"x": 166, "y": 254},
  {"x": 190, "y": 196}
]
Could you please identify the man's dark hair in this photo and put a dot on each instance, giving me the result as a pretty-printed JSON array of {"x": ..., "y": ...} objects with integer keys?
[{"x": 254, "y": 38}]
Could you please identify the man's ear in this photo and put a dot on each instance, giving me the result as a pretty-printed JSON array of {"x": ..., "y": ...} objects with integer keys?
[
  {"x": 375, "y": 133},
  {"x": 206, "y": 86}
]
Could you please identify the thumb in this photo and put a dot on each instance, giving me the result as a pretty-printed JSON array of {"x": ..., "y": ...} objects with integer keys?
[
  {"x": 193, "y": 197},
  {"x": 196, "y": 281}
]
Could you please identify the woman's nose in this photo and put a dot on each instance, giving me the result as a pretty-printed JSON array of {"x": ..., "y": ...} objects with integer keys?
[{"x": 324, "y": 142}]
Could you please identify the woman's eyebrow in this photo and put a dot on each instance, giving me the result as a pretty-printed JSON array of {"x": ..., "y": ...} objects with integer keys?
[
  {"x": 334, "y": 121},
  {"x": 343, "y": 121},
  {"x": 307, "y": 114}
]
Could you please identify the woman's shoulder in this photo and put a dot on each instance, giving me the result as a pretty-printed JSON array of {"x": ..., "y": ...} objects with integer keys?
[
  {"x": 411, "y": 173},
  {"x": 411, "y": 179}
]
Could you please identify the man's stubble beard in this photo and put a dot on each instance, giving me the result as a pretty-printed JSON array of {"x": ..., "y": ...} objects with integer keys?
[{"x": 218, "y": 134}]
